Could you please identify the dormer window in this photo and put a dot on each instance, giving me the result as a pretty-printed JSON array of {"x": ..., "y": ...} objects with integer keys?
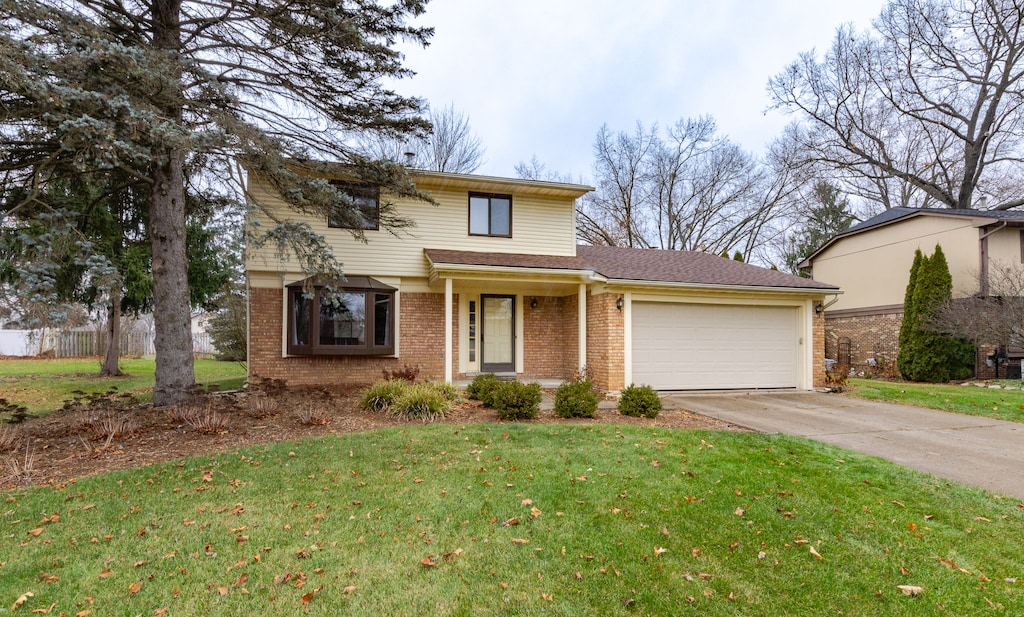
[
  {"x": 355, "y": 318},
  {"x": 366, "y": 215},
  {"x": 490, "y": 215}
]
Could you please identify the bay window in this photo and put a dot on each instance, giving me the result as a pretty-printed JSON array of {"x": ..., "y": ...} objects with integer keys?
[{"x": 355, "y": 317}]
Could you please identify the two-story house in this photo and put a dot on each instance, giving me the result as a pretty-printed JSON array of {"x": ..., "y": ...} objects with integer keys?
[
  {"x": 871, "y": 262},
  {"x": 491, "y": 280}
]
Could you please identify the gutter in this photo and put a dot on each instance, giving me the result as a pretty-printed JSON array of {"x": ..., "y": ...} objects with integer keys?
[{"x": 719, "y": 287}]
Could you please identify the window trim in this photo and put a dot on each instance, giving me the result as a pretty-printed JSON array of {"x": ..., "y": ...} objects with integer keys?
[
  {"x": 370, "y": 288},
  {"x": 490, "y": 218},
  {"x": 356, "y": 191}
]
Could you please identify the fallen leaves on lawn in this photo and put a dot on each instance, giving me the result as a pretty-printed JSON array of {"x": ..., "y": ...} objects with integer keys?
[
  {"x": 910, "y": 590},
  {"x": 308, "y": 597},
  {"x": 23, "y": 598}
]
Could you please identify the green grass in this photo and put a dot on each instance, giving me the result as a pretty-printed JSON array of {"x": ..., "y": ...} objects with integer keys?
[
  {"x": 972, "y": 400},
  {"x": 611, "y": 521},
  {"x": 44, "y": 385}
]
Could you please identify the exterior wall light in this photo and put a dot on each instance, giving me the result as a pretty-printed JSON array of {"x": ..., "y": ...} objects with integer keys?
[
  {"x": 533, "y": 303},
  {"x": 618, "y": 304}
]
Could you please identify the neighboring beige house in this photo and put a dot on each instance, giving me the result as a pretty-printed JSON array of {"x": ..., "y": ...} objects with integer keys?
[
  {"x": 492, "y": 280},
  {"x": 871, "y": 263}
]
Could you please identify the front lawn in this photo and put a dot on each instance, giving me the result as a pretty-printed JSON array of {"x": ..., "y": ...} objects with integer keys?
[
  {"x": 1000, "y": 404},
  {"x": 44, "y": 385},
  {"x": 515, "y": 519}
]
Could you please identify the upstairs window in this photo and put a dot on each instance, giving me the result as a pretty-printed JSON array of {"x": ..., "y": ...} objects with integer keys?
[
  {"x": 366, "y": 216},
  {"x": 490, "y": 215},
  {"x": 357, "y": 318}
]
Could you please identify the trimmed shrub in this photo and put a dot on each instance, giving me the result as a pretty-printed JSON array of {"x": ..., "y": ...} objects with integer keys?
[
  {"x": 482, "y": 387},
  {"x": 516, "y": 401},
  {"x": 383, "y": 394},
  {"x": 420, "y": 402},
  {"x": 576, "y": 399},
  {"x": 639, "y": 401}
]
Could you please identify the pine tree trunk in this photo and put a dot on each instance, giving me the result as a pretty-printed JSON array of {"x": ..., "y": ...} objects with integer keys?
[
  {"x": 172, "y": 319},
  {"x": 175, "y": 376},
  {"x": 113, "y": 353}
]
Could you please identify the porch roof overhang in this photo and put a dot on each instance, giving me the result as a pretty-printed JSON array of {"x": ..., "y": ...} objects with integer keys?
[{"x": 470, "y": 265}]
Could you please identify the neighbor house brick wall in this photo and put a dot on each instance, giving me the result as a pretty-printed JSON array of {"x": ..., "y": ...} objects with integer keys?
[
  {"x": 870, "y": 336},
  {"x": 605, "y": 342},
  {"x": 421, "y": 344},
  {"x": 550, "y": 347}
]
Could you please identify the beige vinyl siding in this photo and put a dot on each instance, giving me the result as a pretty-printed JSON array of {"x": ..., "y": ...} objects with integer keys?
[
  {"x": 1004, "y": 247},
  {"x": 540, "y": 225},
  {"x": 873, "y": 267}
]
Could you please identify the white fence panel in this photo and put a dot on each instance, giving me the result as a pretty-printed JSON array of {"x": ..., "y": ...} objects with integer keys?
[{"x": 19, "y": 342}]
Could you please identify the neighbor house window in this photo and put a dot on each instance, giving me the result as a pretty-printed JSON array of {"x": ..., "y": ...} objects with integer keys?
[
  {"x": 355, "y": 317},
  {"x": 367, "y": 211},
  {"x": 490, "y": 215}
]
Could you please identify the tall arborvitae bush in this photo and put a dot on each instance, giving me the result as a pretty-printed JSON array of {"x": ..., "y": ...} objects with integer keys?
[
  {"x": 926, "y": 355},
  {"x": 909, "y": 318}
]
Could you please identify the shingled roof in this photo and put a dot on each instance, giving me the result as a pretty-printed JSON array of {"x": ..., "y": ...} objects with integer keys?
[
  {"x": 640, "y": 265},
  {"x": 894, "y": 215}
]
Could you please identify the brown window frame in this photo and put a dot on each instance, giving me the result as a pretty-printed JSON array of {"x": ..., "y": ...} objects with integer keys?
[
  {"x": 490, "y": 218},
  {"x": 314, "y": 296},
  {"x": 355, "y": 192}
]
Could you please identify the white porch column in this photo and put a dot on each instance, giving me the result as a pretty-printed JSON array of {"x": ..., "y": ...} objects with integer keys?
[
  {"x": 581, "y": 315},
  {"x": 448, "y": 331}
]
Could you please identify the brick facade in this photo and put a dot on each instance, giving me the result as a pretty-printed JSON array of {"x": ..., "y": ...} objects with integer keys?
[
  {"x": 606, "y": 357},
  {"x": 818, "y": 376},
  {"x": 854, "y": 339},
  {"x": 421, "y": 344},
  {"x": 551, "y": 333},
  {"x": 876, "y": 336}
]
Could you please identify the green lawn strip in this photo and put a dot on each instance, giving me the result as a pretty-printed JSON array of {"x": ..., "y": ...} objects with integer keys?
[
  {"x": 44, "y": 385},
  {"x": 608, "y": 520},
  {"x": 988, "y": 402}
]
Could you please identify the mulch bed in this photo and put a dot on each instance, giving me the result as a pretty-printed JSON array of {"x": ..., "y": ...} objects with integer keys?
[{"x": 71, "y": 444}]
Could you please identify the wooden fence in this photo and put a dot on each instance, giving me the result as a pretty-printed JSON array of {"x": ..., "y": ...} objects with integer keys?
[{"x": 74, "y": 344}]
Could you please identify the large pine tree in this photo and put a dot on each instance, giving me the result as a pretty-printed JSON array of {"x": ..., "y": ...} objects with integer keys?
[{"x": 142, "y": 89}]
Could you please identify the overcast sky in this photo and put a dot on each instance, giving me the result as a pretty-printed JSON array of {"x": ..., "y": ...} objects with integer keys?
[{"x": 540, "y": 77}]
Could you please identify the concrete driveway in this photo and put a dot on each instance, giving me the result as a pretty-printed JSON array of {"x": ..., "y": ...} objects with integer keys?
[{"x": 975, "y": 451}]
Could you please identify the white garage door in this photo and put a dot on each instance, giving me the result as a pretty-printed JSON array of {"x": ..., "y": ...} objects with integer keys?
[{"x": 715, "y": 346}]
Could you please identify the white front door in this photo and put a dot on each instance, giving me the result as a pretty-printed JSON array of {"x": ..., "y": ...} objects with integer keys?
[{"x": 497, "y": 334}]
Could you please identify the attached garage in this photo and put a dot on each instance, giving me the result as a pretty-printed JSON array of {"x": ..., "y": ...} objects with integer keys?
[{"x": 690, "y": 346}]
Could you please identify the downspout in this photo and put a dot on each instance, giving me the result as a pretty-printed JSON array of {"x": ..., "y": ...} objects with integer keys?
[{"x": 983, "y": 255}]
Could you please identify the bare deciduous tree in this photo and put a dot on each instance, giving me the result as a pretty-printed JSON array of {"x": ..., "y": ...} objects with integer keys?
[
  {"x": 688, "y": 188},
  {"x": 450, "y": 145},
  {"x": 925, "y": 109},
  {"x": 996, "y": 318}
]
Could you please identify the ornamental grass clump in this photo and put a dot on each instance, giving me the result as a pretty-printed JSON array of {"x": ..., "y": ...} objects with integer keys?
[
  {"x": 451, "y": 393},
  {"x": 516, "y": 401},
  {"x": 576, "y": 399},
  {"x": 383, "y": 394},
  {"x": 424, "y": 402},
  {"x": 639, "y": 401}
]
